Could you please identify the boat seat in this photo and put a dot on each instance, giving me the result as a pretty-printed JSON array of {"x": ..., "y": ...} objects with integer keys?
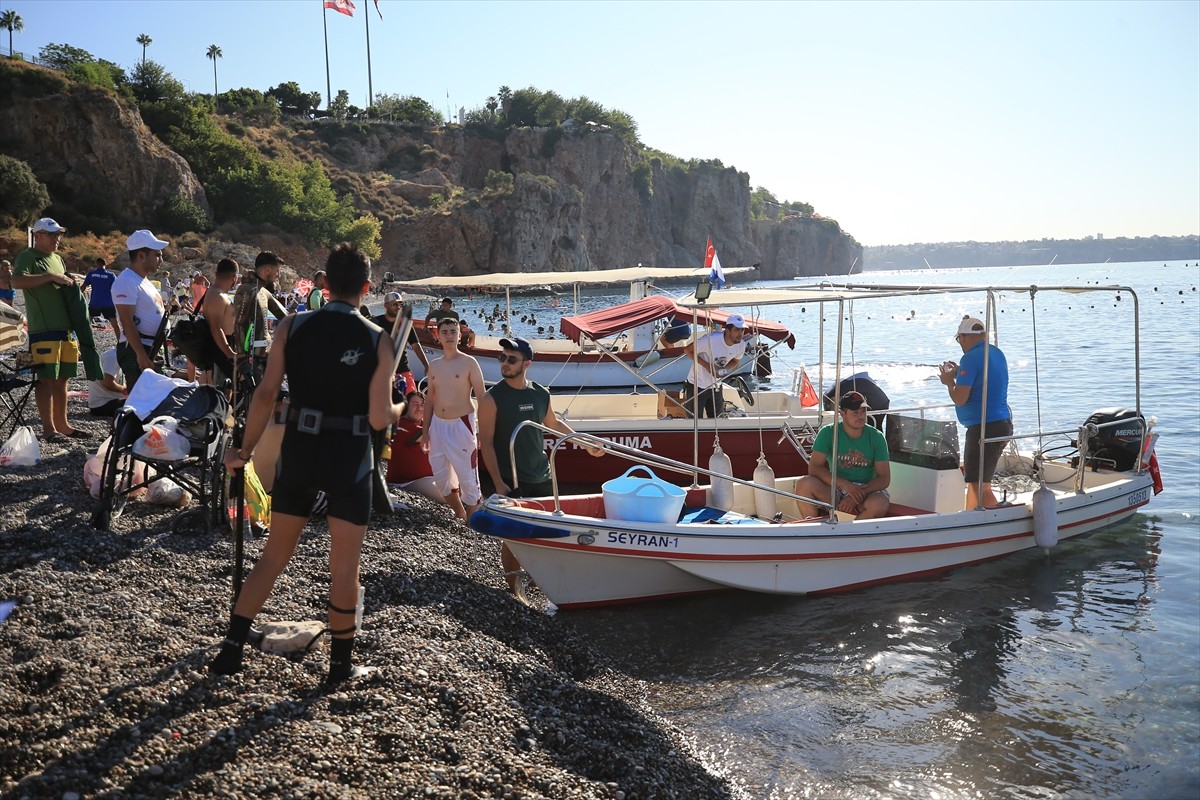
[{"x": 900, "y": 510}]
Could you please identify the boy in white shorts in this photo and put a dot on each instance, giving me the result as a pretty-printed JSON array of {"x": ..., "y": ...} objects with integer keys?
[{"x": 451, "y": 434}]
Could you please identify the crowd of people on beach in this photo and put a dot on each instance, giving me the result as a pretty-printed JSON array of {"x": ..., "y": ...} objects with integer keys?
[{"x": 320, "y": 366}]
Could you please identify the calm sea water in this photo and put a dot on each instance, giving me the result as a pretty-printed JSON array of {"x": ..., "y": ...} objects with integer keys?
[{"x": 1076, "y": 675}]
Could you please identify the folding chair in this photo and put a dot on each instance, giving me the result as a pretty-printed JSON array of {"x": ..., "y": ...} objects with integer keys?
[{"x": 16, "y": 370}]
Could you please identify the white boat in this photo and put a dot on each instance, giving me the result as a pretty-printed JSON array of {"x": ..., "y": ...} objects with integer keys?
[
  {"x": 581, "y": 554},
  {"x": 607, "y": 349}
]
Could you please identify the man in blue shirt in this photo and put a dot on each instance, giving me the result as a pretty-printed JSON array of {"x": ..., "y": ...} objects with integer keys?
[
  {"x": 100, "y": 302},
  {"x": 966, "y": 382}
]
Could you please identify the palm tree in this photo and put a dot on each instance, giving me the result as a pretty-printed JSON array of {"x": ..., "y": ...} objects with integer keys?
[
  {"x": 214, "y": 53},
  {"x": 144, "y": 40},
  {"x": 11, "y": 20}
]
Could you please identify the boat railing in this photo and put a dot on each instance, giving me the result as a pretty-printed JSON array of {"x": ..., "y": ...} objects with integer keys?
[{"x": 640, "y": 457}]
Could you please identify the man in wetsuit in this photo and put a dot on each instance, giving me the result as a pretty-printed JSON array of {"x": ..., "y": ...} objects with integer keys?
[{"x": 339, "y": 371}]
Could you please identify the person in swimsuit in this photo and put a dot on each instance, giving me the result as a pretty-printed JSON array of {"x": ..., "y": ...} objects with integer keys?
[{"x": 339, "y": 371}]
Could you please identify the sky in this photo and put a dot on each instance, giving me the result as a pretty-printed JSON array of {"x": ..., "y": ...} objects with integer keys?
[{"x": 906, "y": 122}]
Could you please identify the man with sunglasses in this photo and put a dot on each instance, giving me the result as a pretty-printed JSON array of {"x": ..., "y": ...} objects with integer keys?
[
  {"x": 450, "y": 431},
  {"x": 41, "y": 275},
  {"x": 505, "y": 406},
  {"x": 965, "y": 380},
  {"x": 864, "y": 468},
  {"x": 139, "y": 305}
]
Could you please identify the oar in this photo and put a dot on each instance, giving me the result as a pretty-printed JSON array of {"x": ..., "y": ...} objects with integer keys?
[{"x": 380, "y": 499}]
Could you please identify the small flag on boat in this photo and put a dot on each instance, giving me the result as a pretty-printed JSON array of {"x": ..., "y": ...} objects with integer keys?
[
  {"x": 808, "y": 395},
  {"x": 713, "y": 263},
  {"x": 341, "y": 6},
  {"x": 377, "y": 11}
]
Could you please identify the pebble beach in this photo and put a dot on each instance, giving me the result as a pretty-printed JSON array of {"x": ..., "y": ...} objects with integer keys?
[{"x": 104, "y": 691}]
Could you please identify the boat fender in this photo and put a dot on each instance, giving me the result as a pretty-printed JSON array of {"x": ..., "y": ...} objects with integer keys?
[
  {"x": 1045, "y": 520},
  {"x": 765, "y": 506},
  {"x": 720, "y": 494},
  {"x": 648, "y": 359}
]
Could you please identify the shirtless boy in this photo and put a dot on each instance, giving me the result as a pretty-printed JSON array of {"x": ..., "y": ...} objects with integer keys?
[{"x": 450, "y": 428}]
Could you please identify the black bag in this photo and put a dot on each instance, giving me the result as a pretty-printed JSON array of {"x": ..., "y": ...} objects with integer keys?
[{"x": 193, "y": 338}]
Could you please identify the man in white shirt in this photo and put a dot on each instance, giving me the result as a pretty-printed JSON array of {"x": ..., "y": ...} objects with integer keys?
[
  {"x": 139, "y": 305},
  {"x": 714, "y": 355},
  {"x": 105, "y": 396}
]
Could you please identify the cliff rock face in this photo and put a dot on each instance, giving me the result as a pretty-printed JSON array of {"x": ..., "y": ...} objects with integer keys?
[
  {"x": 94, "y": 152},
  {"x": 576, "y": 204}
]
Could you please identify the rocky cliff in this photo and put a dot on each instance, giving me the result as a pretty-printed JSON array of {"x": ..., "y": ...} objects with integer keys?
[
  {"x": 557, "y": 199},
  {"x": 101, "y": 164}
]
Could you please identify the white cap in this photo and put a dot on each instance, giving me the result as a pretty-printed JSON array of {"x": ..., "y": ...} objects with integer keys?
[
  {"x": 971, "y": 326},
  {"x": 197, "y": 274},
  {"x": 47, "y": 225},
  {"x": 736, "y": 320},
  {"x": 392, "y": 297},
  {"x": 144, "y": 239}
]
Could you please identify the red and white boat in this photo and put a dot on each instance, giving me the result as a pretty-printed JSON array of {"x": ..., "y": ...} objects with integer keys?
[{"x": 598, "y": 549}]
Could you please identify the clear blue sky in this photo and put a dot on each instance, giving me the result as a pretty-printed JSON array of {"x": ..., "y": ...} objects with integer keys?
[{"x": 907, "y": 122}]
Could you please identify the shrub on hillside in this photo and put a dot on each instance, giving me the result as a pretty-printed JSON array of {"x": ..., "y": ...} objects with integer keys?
[
  {"x": 22, "y": 195},
  {"x": 181, "y": 215}
]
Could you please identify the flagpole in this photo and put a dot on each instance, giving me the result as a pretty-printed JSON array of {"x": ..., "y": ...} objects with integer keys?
[
  {"x": 370, "y": 88},
  {"x": 328, "y": 90}
]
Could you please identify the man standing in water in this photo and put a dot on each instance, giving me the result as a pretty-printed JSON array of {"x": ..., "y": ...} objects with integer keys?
[
  {"x": 966, "y": 382},
  {"x": 450, "y": 432},
  {"x": 339, "y": 371}
]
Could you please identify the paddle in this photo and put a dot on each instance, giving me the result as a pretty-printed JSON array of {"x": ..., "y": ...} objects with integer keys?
[{"x": 380, "y": 499}]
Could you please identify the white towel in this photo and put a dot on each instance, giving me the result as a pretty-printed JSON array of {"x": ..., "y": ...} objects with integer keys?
[{"x": 150, "y": 390}]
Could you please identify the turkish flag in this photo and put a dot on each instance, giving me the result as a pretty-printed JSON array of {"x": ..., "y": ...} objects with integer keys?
[
  {"x": 808, "y": 395},
  {"x": 709, "y": 252},
  {"x": 341, "y": 6}
]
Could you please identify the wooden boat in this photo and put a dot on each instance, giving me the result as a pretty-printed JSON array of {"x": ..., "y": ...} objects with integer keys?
[{"x": 582, "y": 552}]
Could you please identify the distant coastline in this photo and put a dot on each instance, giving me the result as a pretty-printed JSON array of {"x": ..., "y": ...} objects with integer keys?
[{"x": 1092, "y": 250}]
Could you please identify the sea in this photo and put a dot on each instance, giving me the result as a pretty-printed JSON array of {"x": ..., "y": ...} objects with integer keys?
[{"x": 1069, "y": 675}]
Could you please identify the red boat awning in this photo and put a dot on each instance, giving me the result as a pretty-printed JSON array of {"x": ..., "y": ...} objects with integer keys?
[{"x": 609, "y": 321}]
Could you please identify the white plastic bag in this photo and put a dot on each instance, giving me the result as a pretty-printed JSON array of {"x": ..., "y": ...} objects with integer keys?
[
  {"x": 160, "y": 441},
  {"x": 21, "y": 449},
  {"x": 166, "y": 492},
  {"x": 93, "y": 470}
]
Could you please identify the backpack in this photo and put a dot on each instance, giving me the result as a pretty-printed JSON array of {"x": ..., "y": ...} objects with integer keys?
[{"x": 193, "y": 338}]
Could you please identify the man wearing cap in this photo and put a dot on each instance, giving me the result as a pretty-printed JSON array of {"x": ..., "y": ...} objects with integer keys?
[
  {"x": 864, "y": 468},
  {"x": 140, "y": 307},
  {"x": 446, "y": 309},
  {"x": 254, "y": 302},
  {"x": 41, "y": 275},
  {"x": 450, "y": 431},
  {"x": 983, "y": 370},
  {"x": 714, "y": 355},
  {"x": 393, "y": 302},
  {"x": 316, "y": 296},
  {"x": 505, "y": 406}
]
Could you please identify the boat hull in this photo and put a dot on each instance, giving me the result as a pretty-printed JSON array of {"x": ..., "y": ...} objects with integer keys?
[{"x": 580, "y": 561}]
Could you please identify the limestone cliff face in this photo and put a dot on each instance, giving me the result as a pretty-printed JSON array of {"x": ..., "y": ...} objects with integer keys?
[
  {"x": 93, "y": 151},
  {"x": 577, "y": 205}
]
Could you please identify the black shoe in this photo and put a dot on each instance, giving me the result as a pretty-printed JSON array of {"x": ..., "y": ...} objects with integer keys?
[{"x": 228, "y": 661}]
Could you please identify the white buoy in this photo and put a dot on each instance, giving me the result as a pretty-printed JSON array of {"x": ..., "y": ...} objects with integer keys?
[
  {"x": 648, "y": 359},
  {"x": 765, "y": 506},
  {"x": 720, "y": 494},
  {"x": 1045, "y": 518}
]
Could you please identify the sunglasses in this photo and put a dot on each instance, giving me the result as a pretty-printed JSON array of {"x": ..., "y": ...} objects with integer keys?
[{"x": 510, "y": 359}]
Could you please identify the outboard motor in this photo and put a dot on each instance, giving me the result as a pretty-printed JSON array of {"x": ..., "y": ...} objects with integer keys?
[
  {"x": 1115, "y": 447},
  {"x": 877, "y": 399}
]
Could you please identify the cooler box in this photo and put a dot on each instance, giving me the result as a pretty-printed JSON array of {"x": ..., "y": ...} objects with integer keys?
[{"x": 636, "y": 499}]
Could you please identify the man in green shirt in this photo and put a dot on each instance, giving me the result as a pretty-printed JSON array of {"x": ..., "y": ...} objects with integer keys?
[
  {"x": 863, "y": 465},
  {"x": 39, "y": 272},
  {"x": 316, "y": 297}
]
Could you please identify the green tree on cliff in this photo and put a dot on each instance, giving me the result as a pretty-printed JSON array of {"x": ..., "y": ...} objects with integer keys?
[
  {"x": 213, "y": 54},
  {"x": 63, "y": 56},
  {"x": 22, "y": 195},
  {"x": 11, "y": 20},
  {"x": 145, "y": 41}
]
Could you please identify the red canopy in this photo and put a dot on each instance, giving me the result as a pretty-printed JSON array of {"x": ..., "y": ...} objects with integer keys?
[{"x": 609, "y": 321}]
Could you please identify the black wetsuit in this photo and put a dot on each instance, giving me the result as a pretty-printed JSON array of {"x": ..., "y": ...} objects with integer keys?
[{"x": 331, "y": 355}]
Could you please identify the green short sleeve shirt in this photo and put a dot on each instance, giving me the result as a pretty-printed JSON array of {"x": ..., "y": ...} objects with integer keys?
[{"x": 44, "y": 305}]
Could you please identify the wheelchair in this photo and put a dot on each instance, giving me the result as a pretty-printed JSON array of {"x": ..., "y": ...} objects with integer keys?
[{"x": 201, "y": 413}]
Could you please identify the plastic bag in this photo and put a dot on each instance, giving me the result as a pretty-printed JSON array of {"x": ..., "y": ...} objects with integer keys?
[
  {"x": 21, "y": 449},
  {"x": 93, "y": 470},
  {"x": 257, "y": 500},
  {"x": 160, "y": 441},
  {"x": 166, "y": 492}
]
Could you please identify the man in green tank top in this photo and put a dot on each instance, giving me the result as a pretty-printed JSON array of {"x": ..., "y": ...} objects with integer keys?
[{"x": 505, "y": 406}]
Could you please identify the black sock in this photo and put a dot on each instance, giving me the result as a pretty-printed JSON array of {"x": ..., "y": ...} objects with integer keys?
[
  {"x": 229, "y": 660},
  {"x": 340, "y": 665}
]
